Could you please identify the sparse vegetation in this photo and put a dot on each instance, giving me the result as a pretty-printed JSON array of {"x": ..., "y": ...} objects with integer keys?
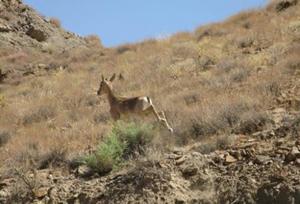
[
  {"x": 41, "y": 114},
  {"x": 124, "y": 140},
  {"x": 215, "y": 84},
  {"x": 4, "y": 138},
  {"x": 93, "y": 40},
  {"x": 55, "y": 21}
]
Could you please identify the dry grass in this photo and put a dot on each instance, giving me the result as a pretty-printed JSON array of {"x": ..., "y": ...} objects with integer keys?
[
  {"x": 93, "y": 41},
  {"x": 55, "y": 21},
  {"x": 215, "y": 81}
]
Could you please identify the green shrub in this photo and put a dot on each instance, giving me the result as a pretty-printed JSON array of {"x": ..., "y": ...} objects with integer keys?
[
  {"x": 123, "y": 141},
  {"x": 107, "y": 156},
  {"x": 135, "y": 136}
]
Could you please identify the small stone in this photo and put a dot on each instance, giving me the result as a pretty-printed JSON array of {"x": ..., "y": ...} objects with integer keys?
[
  {"x": 4, "y": 194},
  {"x": 297, "y": 162},
  {"x": 262, "y": 159},
  {"x": 230, "y": 159},
  {"x": 295, "y": 152},
  {"x": 41, "y": 192},
  {"x": 180, "y": 161},
  {"x": 41, "y": 66},
  {"x": 292, "y": 155}
]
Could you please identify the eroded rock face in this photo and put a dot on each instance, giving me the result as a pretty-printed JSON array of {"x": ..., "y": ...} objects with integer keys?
[
  {"x": 21, "y": 26},
  {"x": 37, "y": 34}
]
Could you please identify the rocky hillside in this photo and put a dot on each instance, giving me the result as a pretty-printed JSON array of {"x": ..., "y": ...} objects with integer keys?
[
  {"x": 21, "y": 26},
  {"x": 230, "y": 90},
  {"x": 31, "y": 44}
]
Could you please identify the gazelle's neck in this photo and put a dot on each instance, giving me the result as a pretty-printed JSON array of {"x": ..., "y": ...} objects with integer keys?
[{"x": 110, "y": 95}]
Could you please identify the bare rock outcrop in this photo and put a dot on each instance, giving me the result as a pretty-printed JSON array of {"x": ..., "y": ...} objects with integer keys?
[{"x": 21, "y": 26}]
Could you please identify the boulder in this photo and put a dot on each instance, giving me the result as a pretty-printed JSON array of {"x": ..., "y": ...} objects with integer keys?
[
  {"x": 230, "y": 159},
  {"x": 37, "y": 34}
]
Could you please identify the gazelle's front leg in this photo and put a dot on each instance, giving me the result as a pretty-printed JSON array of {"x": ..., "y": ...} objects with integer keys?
[{"x": 115, "y": 114}]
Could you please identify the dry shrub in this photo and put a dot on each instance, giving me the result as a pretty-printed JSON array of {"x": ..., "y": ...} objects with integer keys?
[
  {"x": 4, "y": 137},
  {"x": 2, "y": 100},
  {"x": 222, "y": 141},
  {"x": 239, "y": 75},
  {"x": 28, "y": 156},
  {"x": 184, "y": 51},
  {"x": 252, "y": 122},
  {"x": 23, "y": 188},
  {"x": 227, "y": 64},
  {"x": 56, "y": 22},
  {"x": 56, "y": 157},
  {"x": 124, "y": 48},
  {"x": 6, "y": 15},
  {"x": 291, "y": 61},
  {"x": 244, "y": 41},
  {"x": 181, "y": 37},
  {"x": 93, "y": 41},
  {"x": 270, "y": 88},
  {"x": 281, "y": 5},
  {"x": 215, "y": 115},
  {"x": 243, "y": 19},
  {"x": 205, "y": 63},
  {"x": 41, "y": 114},
  {"x": 16, "y": 57},
  {"x": 212, "y": 30}
]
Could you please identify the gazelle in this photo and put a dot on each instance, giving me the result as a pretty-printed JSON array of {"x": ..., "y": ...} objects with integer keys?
[{"x": 140, "y": 105}]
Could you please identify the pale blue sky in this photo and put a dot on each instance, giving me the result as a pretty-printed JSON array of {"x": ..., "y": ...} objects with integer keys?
[{"x": 122, "y": 21}]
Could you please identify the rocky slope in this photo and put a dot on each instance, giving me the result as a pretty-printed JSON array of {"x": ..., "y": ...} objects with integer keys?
[
  {"x": 23, "y": 27},
  {"x": 28, "y": 39},
  {"x": 260, "y": 168}
]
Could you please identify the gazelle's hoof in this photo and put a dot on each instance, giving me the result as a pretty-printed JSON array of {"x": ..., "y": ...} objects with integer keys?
[{"x": 171, "y": 130}]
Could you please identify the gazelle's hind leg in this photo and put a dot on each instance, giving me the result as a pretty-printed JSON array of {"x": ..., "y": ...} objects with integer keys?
[
  {"x": 159, "y": 118},
  {"x": 155, "y": 113},
  {"x": 165, "y": 121}
]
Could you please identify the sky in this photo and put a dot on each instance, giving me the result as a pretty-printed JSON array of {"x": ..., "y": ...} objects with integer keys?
[{"x": 124, "y": 21}]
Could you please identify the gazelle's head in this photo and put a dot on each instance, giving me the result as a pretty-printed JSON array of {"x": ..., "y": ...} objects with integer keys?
[{"x": 105, "y": 85}]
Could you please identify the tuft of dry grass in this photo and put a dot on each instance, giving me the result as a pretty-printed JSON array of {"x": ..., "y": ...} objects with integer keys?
[
  {"x": 4, "y": 137},
  {"x": 55, "y": 21},
  {"x": 93, "y": 41}
]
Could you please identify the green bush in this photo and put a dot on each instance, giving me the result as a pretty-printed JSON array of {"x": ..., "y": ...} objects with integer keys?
[
  {"x": 135, "y": 136},
  {"x": 123, "y": 141}
]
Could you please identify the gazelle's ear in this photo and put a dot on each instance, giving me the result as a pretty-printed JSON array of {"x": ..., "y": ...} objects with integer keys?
[
  {"x": 102, "y": 77},
  {"x": 112, "y": 77}
]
